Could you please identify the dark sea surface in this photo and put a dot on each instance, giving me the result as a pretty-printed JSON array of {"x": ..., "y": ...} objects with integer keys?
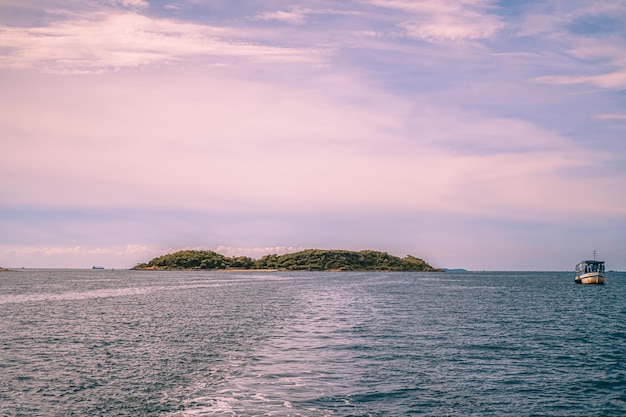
[{"x": 150, "y": 343}]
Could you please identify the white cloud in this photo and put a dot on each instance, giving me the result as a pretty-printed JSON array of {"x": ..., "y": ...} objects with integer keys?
[
  {"x": 129, "y": 40},
  {"x": 298, "y": 16},
  {"x": 604, "y": 51},
  {"x": 613, "y": 81},
  {"x": 554, "y": 17},
  {"x": 608, "y": 54},
  {"x": 294, "y": 17},
  {"x": 449, "y": 21},
  {"x": 135, "y": 4},
  {"x": 444, "y": 30}
]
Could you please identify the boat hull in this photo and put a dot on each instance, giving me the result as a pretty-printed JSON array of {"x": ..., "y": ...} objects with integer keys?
[{"x": 590, "y": 278}]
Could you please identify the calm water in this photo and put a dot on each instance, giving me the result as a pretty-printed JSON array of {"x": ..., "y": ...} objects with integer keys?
[{"x": 130, "y": 343}]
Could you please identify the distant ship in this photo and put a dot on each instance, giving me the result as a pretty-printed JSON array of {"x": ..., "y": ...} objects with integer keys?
[
  {"x": 590, "y": 272},
  {"x": 97, "y": 267}
]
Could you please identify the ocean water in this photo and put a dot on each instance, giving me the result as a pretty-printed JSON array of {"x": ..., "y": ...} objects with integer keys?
[{"x": 150, "y": 343}]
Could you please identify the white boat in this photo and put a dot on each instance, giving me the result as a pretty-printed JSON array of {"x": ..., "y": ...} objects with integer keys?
[{"x": 590, "y": 272}]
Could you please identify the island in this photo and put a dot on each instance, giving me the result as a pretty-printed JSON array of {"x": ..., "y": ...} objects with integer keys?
[{"x": 306, "y": 260}]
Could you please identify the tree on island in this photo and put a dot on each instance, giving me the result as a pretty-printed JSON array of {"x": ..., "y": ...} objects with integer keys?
[{"x": 306, "y": 260}]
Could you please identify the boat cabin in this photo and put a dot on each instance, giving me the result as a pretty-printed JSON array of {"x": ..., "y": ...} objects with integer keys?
[{"x": 585, "y": 267}]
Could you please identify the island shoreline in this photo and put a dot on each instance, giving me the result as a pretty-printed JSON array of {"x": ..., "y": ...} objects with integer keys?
[{"x": 333, "y": 260}]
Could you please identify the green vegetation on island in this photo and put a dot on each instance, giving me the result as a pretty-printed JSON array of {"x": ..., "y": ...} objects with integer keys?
[{"x": 306, "y": 260}]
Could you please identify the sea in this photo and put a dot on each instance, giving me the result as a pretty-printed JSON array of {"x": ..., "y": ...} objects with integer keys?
[{"x": 205, "y": 343}]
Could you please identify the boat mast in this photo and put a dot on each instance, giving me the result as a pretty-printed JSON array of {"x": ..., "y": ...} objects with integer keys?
[{"x": 594, "y": 254}]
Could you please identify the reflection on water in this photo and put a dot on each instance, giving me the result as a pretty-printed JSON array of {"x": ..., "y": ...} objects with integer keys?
[{"x": 310, "y": 344}]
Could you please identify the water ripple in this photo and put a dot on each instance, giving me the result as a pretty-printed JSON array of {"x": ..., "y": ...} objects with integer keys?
[{"x": 202, "y": 343}]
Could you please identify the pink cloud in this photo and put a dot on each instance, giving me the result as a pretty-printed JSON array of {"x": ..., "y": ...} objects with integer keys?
[
  {"x": 449, "y": 21},
  {"x": 208, "y": 139},
  {"x": 112, "y": 41},
  {"x": 614, "y": 80}
]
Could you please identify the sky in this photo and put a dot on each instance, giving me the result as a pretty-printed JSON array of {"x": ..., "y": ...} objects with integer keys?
[{"x": 476, "y": 134}]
